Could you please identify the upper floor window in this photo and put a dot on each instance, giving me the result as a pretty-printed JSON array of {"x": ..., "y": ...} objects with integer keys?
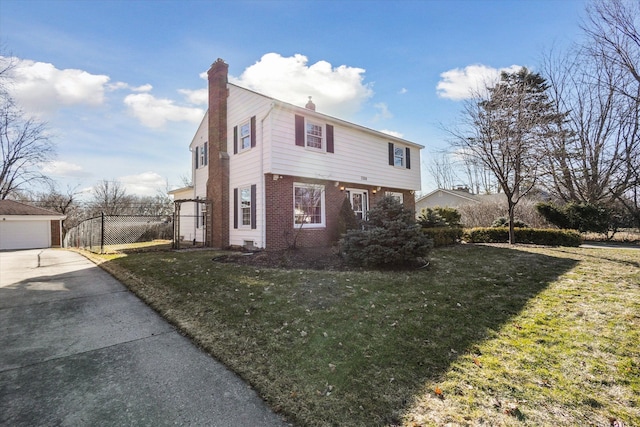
[
  {"x": 398, "y": 156},
  {"x": 201, "y": 155},
  {"x": 204, "y": 157},
  {"x": 245, "y": 136},
  {"x": 318, "y": 136},
  {"x": 314, "y": 135}
]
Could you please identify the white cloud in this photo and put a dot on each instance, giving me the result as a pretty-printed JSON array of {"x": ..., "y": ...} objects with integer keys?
[
  {"x": 458, "y": 84},
  {"x": 64, "y": 169},
  {"x": 338, "y": 91},
  {"x": 383, "y": 112},
  {"x": 123, "y": 85},
  {"x": 143, "y": 184},
  {"x": 197, "y": 97},
  {"x": 392, "y": 133},
  {"x": 155, "y": 112},
  {"x": 40, "y": 87},
  {"x": 403, "y": 91}
]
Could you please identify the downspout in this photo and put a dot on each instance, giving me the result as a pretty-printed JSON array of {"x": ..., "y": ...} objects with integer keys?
[{"x": 263, "y": 193}]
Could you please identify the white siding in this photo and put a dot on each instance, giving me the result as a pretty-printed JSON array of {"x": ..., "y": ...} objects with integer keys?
[
  {"x": 201, "y": 174},
  {"x": 247, "y": 167},
  {"x": 360, "y": 156}
]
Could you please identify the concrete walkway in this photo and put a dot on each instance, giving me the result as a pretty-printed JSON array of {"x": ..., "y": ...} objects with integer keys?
[{"x": 78, "y": 349}]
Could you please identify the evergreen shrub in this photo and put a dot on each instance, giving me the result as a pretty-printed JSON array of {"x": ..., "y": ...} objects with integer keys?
[{"x": 536, "y": 236}]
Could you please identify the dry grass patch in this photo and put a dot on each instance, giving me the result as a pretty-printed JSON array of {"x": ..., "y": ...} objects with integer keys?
[{"x": 526, "y": 336}]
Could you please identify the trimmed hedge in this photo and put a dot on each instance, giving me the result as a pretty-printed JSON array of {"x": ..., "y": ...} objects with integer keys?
[
  {"x": 443, "y": 236},
  {"x": 536, "y": 236}
]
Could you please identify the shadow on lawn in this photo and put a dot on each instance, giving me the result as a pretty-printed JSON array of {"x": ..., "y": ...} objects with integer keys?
[{"x": 470, "y": 293}]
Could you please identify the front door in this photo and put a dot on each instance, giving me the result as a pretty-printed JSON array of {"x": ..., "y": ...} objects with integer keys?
[{"x": 359, "y": 202}]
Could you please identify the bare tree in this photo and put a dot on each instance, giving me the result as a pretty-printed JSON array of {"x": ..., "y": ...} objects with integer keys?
[
  {"x": 442, "y": 171},
  {"x": 613, "y": 27},
  {"x": 598, "y": 159},
  {"x": 64, "y": 202},
  {"x": 25, "y": 146},
  {"x": 111, "y": 198},
  {"x": 503, "y": 131}
]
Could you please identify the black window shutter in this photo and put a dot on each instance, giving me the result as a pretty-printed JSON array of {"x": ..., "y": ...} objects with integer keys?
[
  {"x": 391, "y": 154},
  {"x": 197, "y": 156},
  {"x": 329, "y": 139},
  {"x": 235, "y": 140},
  {"x": 205, "y": 153},
  {"x": 300, "y": 131},
  {"x": 253, "y": 131},
  {"x": 408, "y": 160},
  {"x": 253, "y": 207},
  {"x": 235, "y": 208}
]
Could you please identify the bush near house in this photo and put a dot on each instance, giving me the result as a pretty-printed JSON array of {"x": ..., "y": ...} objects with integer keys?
[
  {"x": 444, "y": 236},
  {"x": 389, "y": 238},
  {"x": 536, "y": 236}
]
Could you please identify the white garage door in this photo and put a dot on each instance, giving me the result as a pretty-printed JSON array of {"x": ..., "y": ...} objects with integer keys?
[{"x": 25, "y": 234}]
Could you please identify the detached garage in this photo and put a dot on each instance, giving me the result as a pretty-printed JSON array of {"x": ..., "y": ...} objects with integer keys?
[{"x": 27, "y": 227}]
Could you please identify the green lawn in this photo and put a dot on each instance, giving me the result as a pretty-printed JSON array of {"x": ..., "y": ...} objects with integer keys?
[{"x": 488, "y": 335}]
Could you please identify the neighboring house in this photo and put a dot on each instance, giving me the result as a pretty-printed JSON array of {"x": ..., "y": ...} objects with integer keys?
[
  {"x": 27, "y": 227},
  {"x": 454, "y": 198},
  {"x": 276, "y": 173}
]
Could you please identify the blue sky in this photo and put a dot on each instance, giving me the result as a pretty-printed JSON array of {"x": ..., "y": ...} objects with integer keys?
[{"x": 120, "y": 82}]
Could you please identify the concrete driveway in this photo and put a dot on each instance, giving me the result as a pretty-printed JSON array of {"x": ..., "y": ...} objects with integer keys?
[{"x": 78, "y": 349}]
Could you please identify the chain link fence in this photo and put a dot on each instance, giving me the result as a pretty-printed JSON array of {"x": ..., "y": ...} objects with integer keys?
[{"x": 107, "y": 233}]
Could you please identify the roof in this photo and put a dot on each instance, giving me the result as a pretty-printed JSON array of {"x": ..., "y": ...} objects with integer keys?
[
  {"x": 303, "y": 110},
  {"x": 457, "y": 193},
  {"x": 11, "y": 207},
  {"x": 181, "y": 190}
]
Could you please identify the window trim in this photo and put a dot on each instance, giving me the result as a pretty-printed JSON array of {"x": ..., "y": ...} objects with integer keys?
[
  {"x": 399, "y": 196},
  {"x": 397, "y": 157},
  {"x": 322, "y": 137},
  {"x": 241, "y": 208},
  {"x": 323, "y": 220},
  {"x": 248, "y": 136}
]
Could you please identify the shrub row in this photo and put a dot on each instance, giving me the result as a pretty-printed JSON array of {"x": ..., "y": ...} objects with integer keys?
[
  {"x": 443, "y": 236},
  {"x": 536, "y": 236}
]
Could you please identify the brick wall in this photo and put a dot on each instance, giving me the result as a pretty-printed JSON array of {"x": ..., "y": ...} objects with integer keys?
[
  {"x": 280, "y": 230},
  {"x": 218, "y": 180},
  {"x": 55, "y": 233}
]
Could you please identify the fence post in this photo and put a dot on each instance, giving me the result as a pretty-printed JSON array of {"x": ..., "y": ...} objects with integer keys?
[{"x": 102, "y": 232}]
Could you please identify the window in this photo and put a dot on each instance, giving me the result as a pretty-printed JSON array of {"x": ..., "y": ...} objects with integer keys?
[
  {"x": 314, "y": 135},
  {"x": 398, "y": 157},
  {"x": 245, "y": 207},
  {"x": 308, "y": 205},
  {"x": 396, "y": 195},
  {"x": 204, "y": 155},
  {"x": 245, "y": 136}
]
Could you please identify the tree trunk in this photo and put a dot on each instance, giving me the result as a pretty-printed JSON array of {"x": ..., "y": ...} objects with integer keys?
[{"x": 512, "y": 231}]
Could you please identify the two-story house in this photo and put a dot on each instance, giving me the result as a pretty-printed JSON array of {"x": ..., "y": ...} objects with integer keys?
[{"x": 274, "y": 173}]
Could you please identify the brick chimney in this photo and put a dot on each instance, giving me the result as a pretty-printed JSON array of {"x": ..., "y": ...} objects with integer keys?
[
  {"x": 310, "y": 105},
  {"x": 218, "y": 181}
]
